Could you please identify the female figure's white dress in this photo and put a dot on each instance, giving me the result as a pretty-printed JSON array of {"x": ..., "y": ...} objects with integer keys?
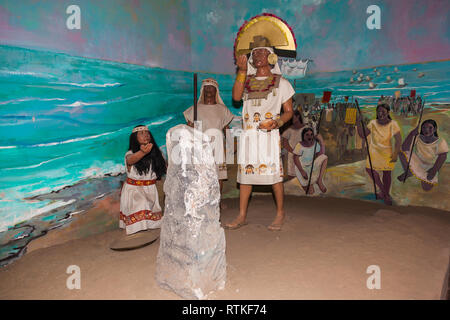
[
  {"x": 306, "y": 155},
  {"x": 423, "y": 158},
  {"x": 139, "y": 204}
]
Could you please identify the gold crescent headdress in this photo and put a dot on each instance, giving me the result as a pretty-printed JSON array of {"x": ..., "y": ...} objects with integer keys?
[{"x": 266, "y": 30}]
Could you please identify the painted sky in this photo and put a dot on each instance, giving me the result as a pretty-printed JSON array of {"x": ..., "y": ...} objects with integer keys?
[
  {"x": 332, "y": 33},
  {"x": 198, "y": 35},
  {"x": 146, "y": 32}
]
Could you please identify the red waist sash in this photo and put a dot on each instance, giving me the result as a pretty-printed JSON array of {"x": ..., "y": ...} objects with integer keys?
[{"x": 140, "y": 182}]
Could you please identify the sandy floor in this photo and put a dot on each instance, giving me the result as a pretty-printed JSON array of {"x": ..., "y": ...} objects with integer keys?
[{"x": 322, "y": 252}]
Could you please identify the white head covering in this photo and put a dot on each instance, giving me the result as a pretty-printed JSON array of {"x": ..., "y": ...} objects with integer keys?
[
  {"x": 252, "y": 70},
  {"x": 210, "y": 82}
]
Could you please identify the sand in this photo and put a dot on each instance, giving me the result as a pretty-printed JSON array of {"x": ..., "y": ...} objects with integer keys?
[{"x": 323, "y": 252}]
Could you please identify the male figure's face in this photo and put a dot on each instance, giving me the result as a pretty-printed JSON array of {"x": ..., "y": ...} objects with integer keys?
[
  {"x": 259, "y": 57},
  {"x": 209, "y": 92}
]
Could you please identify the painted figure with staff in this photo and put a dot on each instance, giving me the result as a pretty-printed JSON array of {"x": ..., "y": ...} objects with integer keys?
[
  {"x": 423, "y": 154},
  {"x": 381, "y": 157},
  {"x": 309, "y": 156}
]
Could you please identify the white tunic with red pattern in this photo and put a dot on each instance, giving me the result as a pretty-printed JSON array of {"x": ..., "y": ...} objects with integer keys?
[
  {"x": 259, "y": 151},
  {"x": 139, "y": 204}
]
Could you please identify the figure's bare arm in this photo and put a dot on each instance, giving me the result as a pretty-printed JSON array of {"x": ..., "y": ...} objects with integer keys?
[
  {"x": 398, "y": 144},
  {"x": 299, "y": 166},
  {"x": 437, "y": 165},
  {"x": 137, "y": 156},
  {"x": 408, "y": 141},
  {"x": 297, "y": 162},
  {"x": 322, "y": 145},
  {"x": 286, "y": 145},
  {"x": 288, "y": 112},
  {"x": 238, "y": 87},
  {"x": 360, "y": 129}
]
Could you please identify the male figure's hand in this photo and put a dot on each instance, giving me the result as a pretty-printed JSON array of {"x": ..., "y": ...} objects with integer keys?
[{"x": 241, "y": 62}]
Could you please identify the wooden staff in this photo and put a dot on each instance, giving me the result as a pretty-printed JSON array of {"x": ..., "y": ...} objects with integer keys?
[
  {"x": 367, "y": 145},
  {"x": 414, "y": 141},
  {"x": 195, "y": 98},
  {"x": 314, "y": 154}
]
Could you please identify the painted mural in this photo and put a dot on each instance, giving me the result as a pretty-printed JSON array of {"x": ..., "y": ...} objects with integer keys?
[{"x": 69, "y": 100}]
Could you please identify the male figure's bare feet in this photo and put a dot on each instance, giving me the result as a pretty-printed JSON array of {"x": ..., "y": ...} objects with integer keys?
[
  {"x": 322, "y": 186},
  {"x": 236, "y": 223},
  {"x": 277, "y": 223},
  {"x": 311, "y": 189}
]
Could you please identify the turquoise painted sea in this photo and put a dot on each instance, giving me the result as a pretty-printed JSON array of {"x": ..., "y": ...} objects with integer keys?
[{"x": 66, "y": 119}]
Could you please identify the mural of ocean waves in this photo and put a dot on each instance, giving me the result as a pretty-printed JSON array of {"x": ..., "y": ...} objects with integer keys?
[{"x": 64, "y": 119}]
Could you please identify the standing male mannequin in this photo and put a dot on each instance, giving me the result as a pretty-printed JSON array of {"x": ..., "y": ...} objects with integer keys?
[
  {"x": 265, "y": 92},
  {"x": 213, "y": 114}
]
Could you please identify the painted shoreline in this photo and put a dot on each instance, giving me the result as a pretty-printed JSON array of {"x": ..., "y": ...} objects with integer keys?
[
  {"x": 101, "y": 203},
  {"x": 14, "y": 241},
  {"x": 345, "y": 178}
]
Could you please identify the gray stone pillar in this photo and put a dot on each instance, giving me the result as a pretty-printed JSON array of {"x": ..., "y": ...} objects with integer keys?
[{"x": 191, "y": 257}]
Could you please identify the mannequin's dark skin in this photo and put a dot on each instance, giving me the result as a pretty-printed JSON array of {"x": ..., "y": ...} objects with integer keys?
[
  {"x": 263, "y": 69},
  {"x": 209, "y": 98}
]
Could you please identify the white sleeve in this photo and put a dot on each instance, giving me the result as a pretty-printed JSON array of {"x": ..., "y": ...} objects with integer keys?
[
  {"x": 126, "y": 154},
  {"x": 188, "y": 114}
]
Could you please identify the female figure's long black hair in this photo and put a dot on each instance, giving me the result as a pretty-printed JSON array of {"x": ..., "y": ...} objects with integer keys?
[{"x": 153, "y": 159}]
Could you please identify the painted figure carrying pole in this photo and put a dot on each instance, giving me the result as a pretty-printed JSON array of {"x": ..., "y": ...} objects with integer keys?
[
  {"x": 314, "y": 153},
  {"x": 414, "y": 141},
  {"x": 367, "y": 145}
]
